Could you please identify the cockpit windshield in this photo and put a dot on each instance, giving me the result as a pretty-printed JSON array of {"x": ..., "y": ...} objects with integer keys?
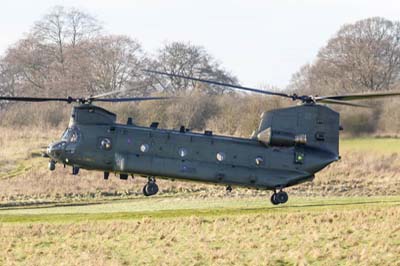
[{"x": 71, "y": 135}]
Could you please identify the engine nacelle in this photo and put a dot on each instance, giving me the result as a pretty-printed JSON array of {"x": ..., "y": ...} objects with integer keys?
[{"x": 279, "y": 138}]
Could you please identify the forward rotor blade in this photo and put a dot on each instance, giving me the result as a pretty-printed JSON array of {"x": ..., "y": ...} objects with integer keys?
[
  {"x": 81, "y": 100},
  {"x": 219, "y": 83},
  {"x": 37, "y": 99},
  {"x": 352, "y": 97},
  {"x": 116, "y": 92},
  {"x": 132, "y": 99},
  {"x": 104, "y": 94},
  {"x": 330, "y": 101}
]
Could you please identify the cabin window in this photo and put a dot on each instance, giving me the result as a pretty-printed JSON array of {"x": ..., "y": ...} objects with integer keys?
[
  {"x": 220, "y": 156},
  {"x": 105, "y": 144},
  {"x": 74, "y": 137},
  {"x": 259, "y": 160},
  {"x": 182, "y": 152},
  {"x": 144, "y": 148},
  {"x": 65, "y": 134},
  {"x": 320, "y": 136}
]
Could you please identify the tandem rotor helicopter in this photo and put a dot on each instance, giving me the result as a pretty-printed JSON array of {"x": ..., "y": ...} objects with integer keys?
[{"x": 288, "y": 148}]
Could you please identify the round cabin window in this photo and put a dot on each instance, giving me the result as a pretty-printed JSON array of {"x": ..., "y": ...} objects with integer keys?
[
  {"x": 144, "y": 147},
  {"x": 105, "y": 144},
  {"x": 259, "y": 160},
  {"x": 182, "y": 152},
  {"x": 220, "y": 156}
]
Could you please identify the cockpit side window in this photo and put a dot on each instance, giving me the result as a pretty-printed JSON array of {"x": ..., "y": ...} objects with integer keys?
[
  {"x": 65, "y": 134},
  {"x": 71, "y": 135},
  {"x": 74, "y": 137}
]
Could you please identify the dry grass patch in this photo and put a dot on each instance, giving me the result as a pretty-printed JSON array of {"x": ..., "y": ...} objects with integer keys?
[{"x": 366, "y": 236}]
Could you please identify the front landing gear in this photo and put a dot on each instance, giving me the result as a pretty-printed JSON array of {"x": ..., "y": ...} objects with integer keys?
[
  {"x": 279, "y": 198},
  {"x": 150, "y": 188},
  {"x": 52, "y": 165},
  {"x": 75, "y": 170}
]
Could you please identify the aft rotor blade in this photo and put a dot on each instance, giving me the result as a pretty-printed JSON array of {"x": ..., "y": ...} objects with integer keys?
[
  {"x": 352, "y": 97},
  {"x": 132, "y": 99},
  {"x": 219, "y": 83},
  {"x": 37, "y": 99},
  {"x": 330, "y": 101}
]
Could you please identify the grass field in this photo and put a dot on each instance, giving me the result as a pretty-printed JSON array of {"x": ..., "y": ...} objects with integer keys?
[
  {"x": 367, "y": 145},
  {"x": 349, "y": 215},
  {"x": 228, "y": 231}
]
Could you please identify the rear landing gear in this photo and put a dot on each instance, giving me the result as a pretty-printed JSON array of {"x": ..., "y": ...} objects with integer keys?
[
  {"x": 150, "y": 188},
  {"x": 279, "y": 198},
  {"x": 273, "y": 199}
]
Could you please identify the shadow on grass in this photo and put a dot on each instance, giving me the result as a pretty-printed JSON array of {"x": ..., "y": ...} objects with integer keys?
[
  {"x": 60, "y": 204},
  {"x": 43, "y": 205},
  {"x": 205, "y": 212},
  {"x": 338, "y": 204},
  {"x": 56, "y": 204}
]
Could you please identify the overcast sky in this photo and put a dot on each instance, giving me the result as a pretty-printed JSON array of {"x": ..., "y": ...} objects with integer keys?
[{"x": 260, "y": 41}]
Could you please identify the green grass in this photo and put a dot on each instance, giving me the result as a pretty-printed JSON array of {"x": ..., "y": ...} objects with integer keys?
[
  {"x": 220, "y": 231},
  {"x": 369, "y": 145},
  {"x": 196, "y": 224},
  {"x": 169, "y": 207}
]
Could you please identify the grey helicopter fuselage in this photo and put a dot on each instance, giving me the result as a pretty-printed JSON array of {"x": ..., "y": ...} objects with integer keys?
[{"x": 288, "y": 148}]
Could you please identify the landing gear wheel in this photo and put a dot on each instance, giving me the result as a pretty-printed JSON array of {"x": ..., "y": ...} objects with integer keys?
[
  {"x": 144, "y": 191},
  {"x": 274, "y": 200},
  {"x": 151, "y": 188},
  {"x": 52, "y": 165},
  {"x": 75, "y": 170},
  {"x": 282, "y": 197},
  {"x": 279, "y": 197}
]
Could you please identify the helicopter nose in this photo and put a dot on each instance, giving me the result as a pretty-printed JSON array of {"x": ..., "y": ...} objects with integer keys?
[{"x": 55, "y": 150}]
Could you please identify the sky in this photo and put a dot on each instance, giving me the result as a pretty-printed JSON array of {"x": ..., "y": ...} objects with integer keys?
[{"x": 262, "y": 42}]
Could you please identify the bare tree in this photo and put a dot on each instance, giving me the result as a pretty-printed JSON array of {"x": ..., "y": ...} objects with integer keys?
[
  {"x": 63, "y": 27},
  {"x": 81, "y": 26},
  {"x": 364, "y": 56},
  {"x": 53, "y": 58},
  {"x": 7, "y": 80},
  {"x": 189, "y": 60},
  {"x": 115, "y": 63},
  {"x": 31, "y": 62},
  {"x": 37, "y": 71},
  {"x": 367, "y": 53},
  {"x": 66, "y": 54}
]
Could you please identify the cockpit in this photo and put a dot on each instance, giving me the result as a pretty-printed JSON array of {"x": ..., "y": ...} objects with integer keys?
[
  {"x": 65, "y": 149},
  {"x": 71, "y": 135}
]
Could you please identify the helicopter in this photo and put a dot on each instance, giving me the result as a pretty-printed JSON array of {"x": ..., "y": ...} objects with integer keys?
[{"x": 288, "y": 148}]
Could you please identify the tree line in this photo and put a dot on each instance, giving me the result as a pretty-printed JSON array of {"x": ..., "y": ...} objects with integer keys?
[
  {"x": 68, "y": 53},
  {"x": 364, "y": 56}
]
